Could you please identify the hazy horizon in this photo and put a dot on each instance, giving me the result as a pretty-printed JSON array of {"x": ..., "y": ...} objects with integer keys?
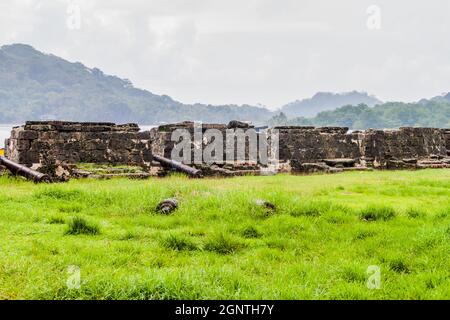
[{"x": 267, "y": 52}]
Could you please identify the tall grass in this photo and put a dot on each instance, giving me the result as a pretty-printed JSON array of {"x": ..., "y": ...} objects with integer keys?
[
  {"x": 377, "y": 212},
  {"x": 79, "y": 225},
  {"x": 318, "y": 243},
  {"x": 178, "y": 242},
  {"x": 222, "y": 244}
]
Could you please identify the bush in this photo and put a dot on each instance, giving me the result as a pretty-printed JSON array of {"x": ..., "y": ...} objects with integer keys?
[
  {"x": 79, "y": 225},
  {"x": 374, "y": 213}
]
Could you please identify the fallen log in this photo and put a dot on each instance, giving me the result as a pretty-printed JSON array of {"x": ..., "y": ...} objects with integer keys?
[
  {"x": 178, "y": 166},
  {"x": 24, "y": 171}
]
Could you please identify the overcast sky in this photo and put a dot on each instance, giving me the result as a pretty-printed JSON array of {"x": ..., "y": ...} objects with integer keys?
[{"x": 247, "y": 51}]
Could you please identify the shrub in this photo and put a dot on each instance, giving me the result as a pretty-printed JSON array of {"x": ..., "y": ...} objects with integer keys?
[
  {"x": 178, "y": 242},
  {"x": 374, "y": 213},
  {"x": 79, "y": 225},
  {"x": 221, "y": 244}
]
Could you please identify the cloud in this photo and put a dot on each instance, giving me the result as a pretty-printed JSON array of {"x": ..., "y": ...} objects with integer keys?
[{"x": 256, "y": 51}]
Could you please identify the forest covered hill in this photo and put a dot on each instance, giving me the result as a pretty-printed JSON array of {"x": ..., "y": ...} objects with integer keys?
[
  {"x": 40, "y": 86},
  {"x": 35, "y": 85}
]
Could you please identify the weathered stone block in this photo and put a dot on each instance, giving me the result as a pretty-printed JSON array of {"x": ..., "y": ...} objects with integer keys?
[
  {"x": 102, "y": 142},
  {"x": 98, "y": 128},
  {"x": 28, "y": 157},
  {"x": 22, "y": 145},
  {"x": 147, "y": 155},
  {"x": 40, "y": 127},
  {"x": 27, "y": 134},
  {"x": 119, "y": 144},
  {"x": 47, "y": 135},
  {"x": 40, "y": 145},
  {"x": 144, "y": 135},
  {"x": 95, "y": 135}
]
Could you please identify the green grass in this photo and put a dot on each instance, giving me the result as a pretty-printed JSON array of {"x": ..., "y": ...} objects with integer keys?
[
  {"x": 318, "y": 244},
  {"x": 108, "y": 168},
  {"x": 177, "y": 242},
  {"x": 79, "y": 225},
  {"x": 377, "y": 212}
]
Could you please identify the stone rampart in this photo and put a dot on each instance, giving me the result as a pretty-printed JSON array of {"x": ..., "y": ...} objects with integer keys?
[{"x": 39, "y": 143}]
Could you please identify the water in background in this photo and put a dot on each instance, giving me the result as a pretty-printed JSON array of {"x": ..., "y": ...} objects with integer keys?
[{"x": 5, "y": 132}]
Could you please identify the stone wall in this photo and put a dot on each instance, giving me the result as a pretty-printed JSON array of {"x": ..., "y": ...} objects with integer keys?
[
  {"x": 389, "y": 148},
  {"x": 39, "y": 143},
  {"x": 301, "y": 149},
  {"x": 162, "y": 143},
  {"x": 305, "y": 145},
  {"x": 447, "y": 140},
  {"x": 305, "y": 149},
  {"x": 318, "y": 148}
]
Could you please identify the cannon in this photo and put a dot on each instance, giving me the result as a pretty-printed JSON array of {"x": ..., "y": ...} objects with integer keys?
[
  {"x": 178, "y": 166},
  {"x": 24, "y": 171}
]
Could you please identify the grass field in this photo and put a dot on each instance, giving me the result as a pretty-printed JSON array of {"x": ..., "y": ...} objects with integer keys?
[{"x": 318, "y": 243}]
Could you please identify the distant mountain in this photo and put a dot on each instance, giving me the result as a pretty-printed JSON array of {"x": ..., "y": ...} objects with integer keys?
[
  {"x": 445, "y": 97},
  {"x": 324, "y": 101},
  {"x": 35, "y": 85}
]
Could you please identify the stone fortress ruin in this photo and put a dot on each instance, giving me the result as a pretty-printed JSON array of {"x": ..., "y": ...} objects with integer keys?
[
  {"x": 45, "y": 142},
  {"x": 41, "y": 145},
  {"x": 328, "y": 148}
]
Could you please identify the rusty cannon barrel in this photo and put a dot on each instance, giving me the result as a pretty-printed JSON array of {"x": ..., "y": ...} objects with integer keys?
[
  {"x": 178, "y": 166},
  {"x": 24, "y": 171}
]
